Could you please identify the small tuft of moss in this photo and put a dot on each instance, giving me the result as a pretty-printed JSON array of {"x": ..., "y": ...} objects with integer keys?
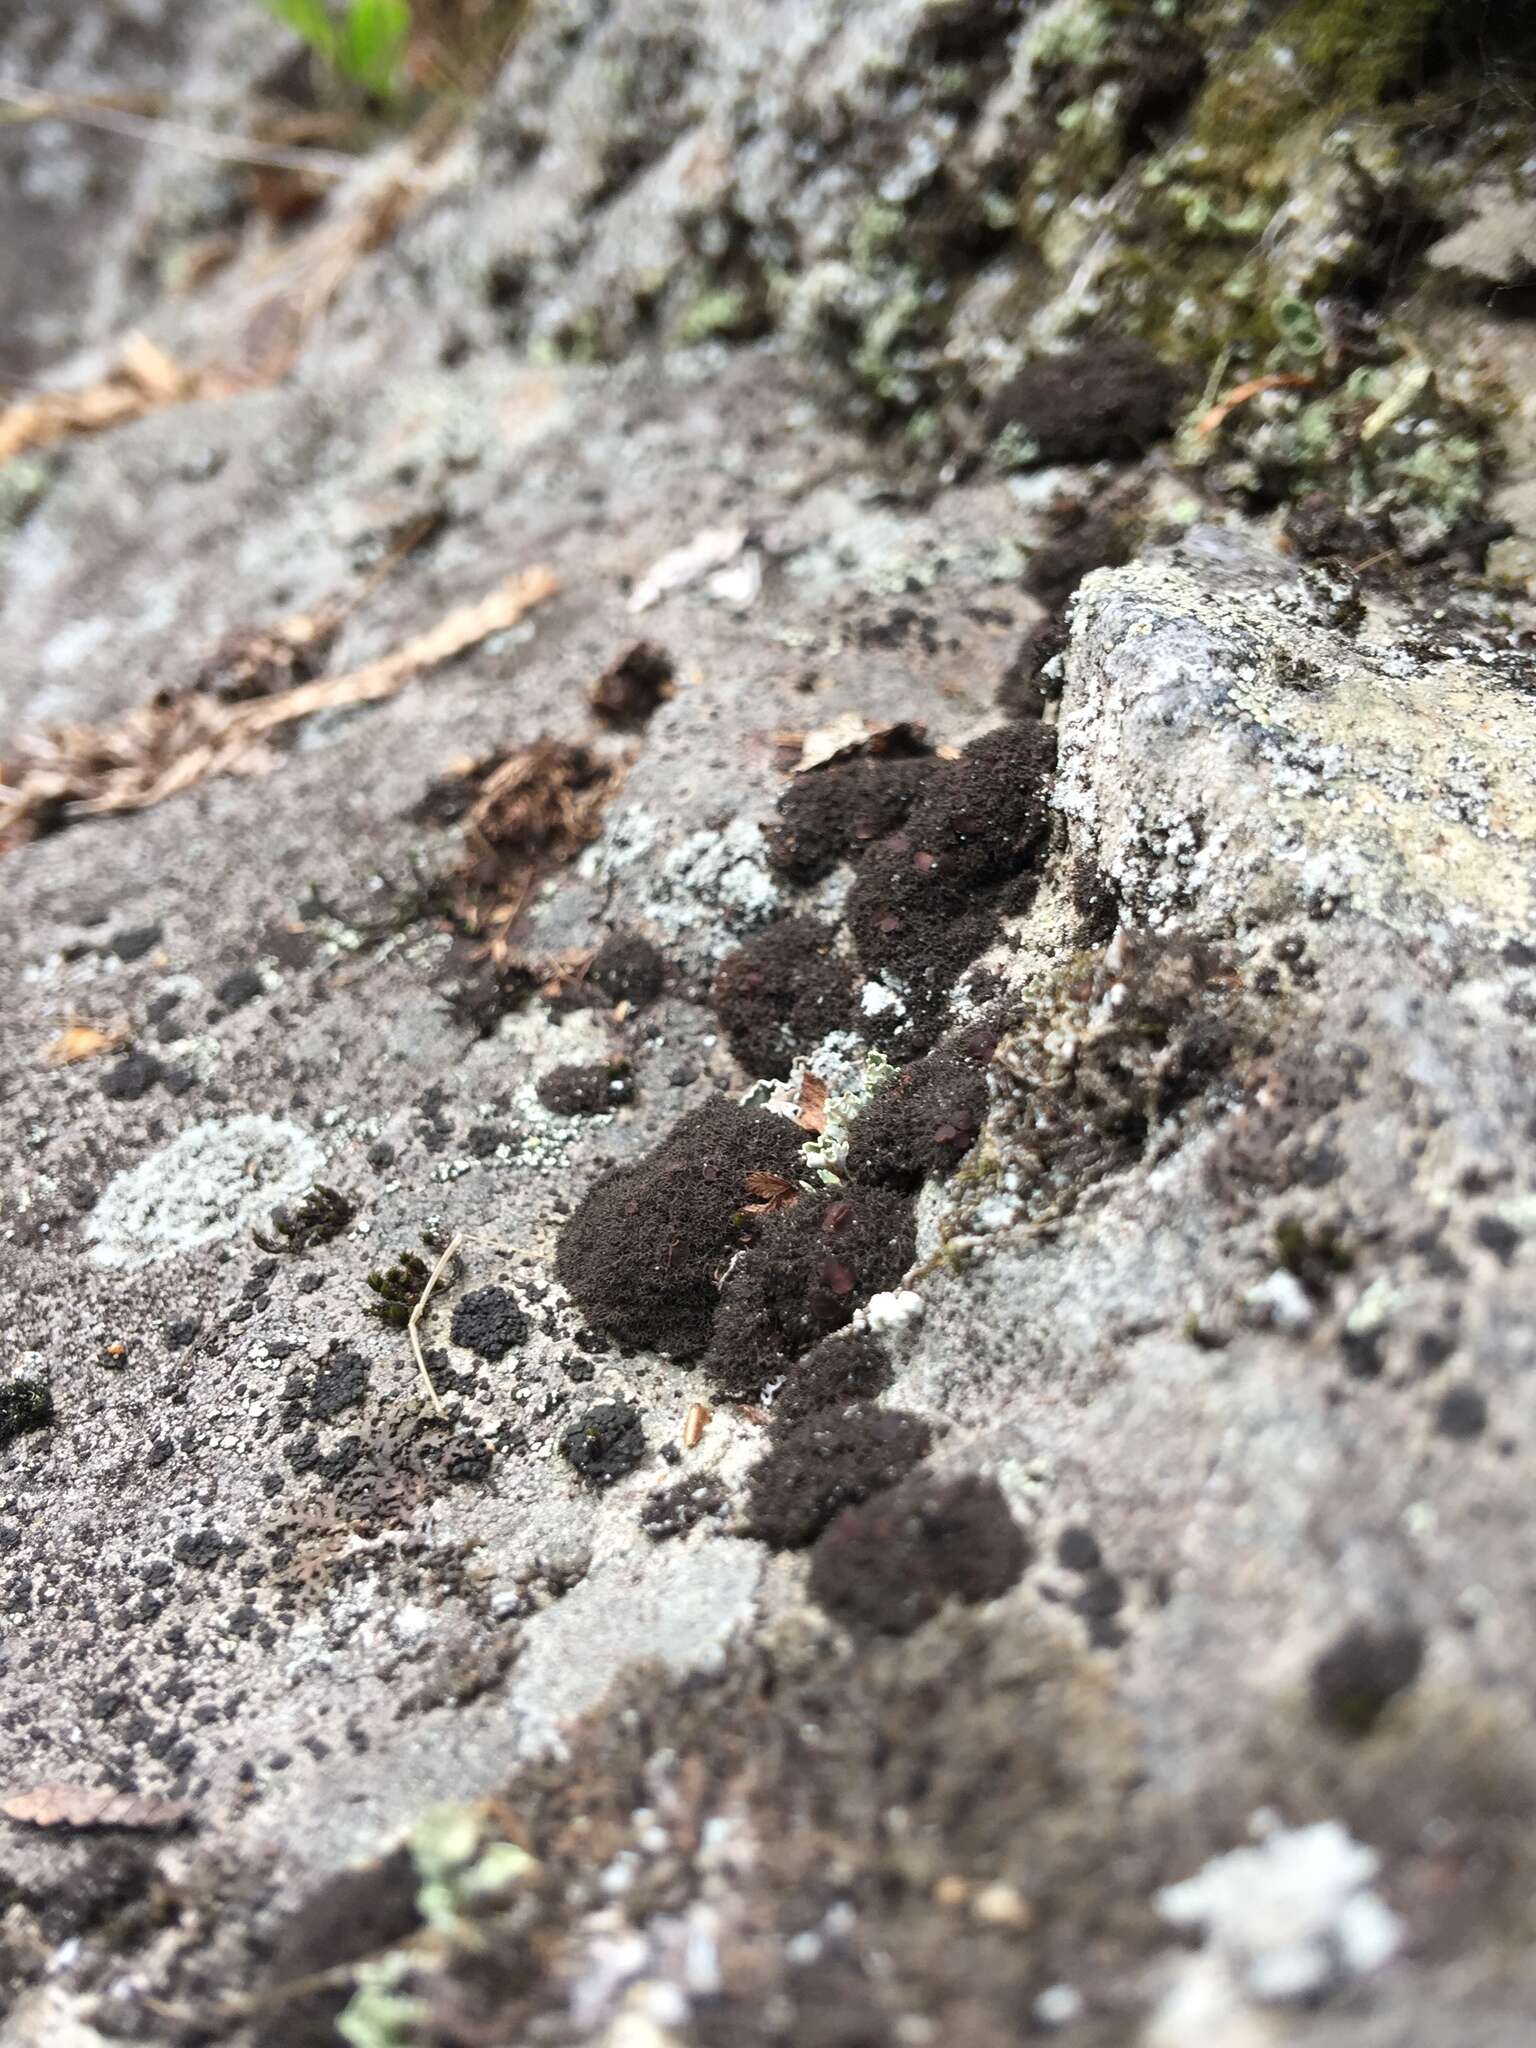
[
  {"x": 25, "y": 1405},
  {"x": 322, "y": 1215},
  {"x": 398, "y": 1289}
]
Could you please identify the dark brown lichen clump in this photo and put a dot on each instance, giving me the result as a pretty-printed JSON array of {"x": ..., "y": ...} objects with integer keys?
[
  {"x": 1355, "y": 1681},
  {"x": 927, "y": 899},
  {"x": 830, "y": 1462},
  {"x": 25, "y": 1405},
  {"x": 1026, "y": 687},
  {"x": 890, "y": 1564},
  {"x": 782, "y": 994},
  {"x": 605, "y": 1444},
  {"x": 627, "y": 969},
  {"x": 849, "y": 1366},
  {"x": 323, "y": 1214},
  {"x": 1110, "y": 399},
  {"x": 629, "y": 692},
  {"x": 674, "y": 1510},
  {"x": 832, "y": 813},
  {"x": 923, "y": 1123},
  {"x": 643, "y": 1252},
  {"x": 1086, "y": 537},
  {"x": 1117, "y": 1046},
  {"x": 590, "y": 1090},
  {"x": 812, "y": 1266}
]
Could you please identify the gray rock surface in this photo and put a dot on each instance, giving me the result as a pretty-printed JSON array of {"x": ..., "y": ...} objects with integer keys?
[{"x": 1233, "y": 1297}]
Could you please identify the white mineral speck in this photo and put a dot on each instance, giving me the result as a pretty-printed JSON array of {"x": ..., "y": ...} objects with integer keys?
[
  {"x": 1058, "y": 2006},
  {"x": 1288, "y": 1920},
  {"x": 888, "y": 1313},
  {"x": 876, "y": 1000}
]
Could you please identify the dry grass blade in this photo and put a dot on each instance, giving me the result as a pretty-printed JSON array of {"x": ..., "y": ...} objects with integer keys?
[
  {"x": 273, "y": 303},
  {"x": 1239, "y": 395},
  {"x": 136, "y": 119},
  {"x": 92, "y": 1806},
  {"x": 276, "y": 296},
  {"x": 183, "y": 738},
  {"x": 143, "y": 380}
]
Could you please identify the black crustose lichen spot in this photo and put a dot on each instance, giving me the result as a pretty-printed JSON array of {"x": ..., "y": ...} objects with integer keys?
[
  {"x": 322, "y": 1215},
  {"x": 398, "y": 1289}
]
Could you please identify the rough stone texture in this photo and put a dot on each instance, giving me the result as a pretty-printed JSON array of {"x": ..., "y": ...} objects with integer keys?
[{"x": 1240, "y": 1357}]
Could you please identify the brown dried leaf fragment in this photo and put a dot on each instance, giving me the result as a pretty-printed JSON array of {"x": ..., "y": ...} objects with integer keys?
[
  {"x": 144, "y": 380},
  {"x": 812, "y": 1114},
  {"x": 771, "y": 1192},
  {"x": 92, "y": 1806},
  {"x": 78, "y": 1041}
]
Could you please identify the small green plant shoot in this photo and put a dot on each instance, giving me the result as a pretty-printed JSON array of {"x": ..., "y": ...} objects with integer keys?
[{"x": 363, "y": 41}]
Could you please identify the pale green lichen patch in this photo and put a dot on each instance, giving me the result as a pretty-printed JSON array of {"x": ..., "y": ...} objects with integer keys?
[{"x": 1389, "y": 444}]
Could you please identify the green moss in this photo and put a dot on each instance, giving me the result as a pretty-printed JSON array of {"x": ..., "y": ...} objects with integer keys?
[
  {"x": 1359, "y": 50},
  {"x": 715, "y": 315},
  {"x": 23, "y": 480},
  {"x": 875, "y": 233},
  {"x": 25, "y": 1405},
  {"x": 1069, "y": 33},
  {"x": 397, "y": 1289},
  {"x": 1387, "y": 444},
  {"x": 381, "y": 2013}
]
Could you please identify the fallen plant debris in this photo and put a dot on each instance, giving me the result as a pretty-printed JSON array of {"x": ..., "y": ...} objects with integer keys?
[
  {"x": 182, "y": 737},
  {"x": 770, "y": 1192},
  {"x": 530, "y": 811},
  {"x": 73, "y": 1807},
  {"x": 140, "y": 117},
  {"x": 144, "y": 379},
  {"x": 80, "y": 1041},
  {"x": 1252, "y": 387},
  {"x": 850, "y": 737},
  {"x": 283, "y": 293},
  {"x": 812, "y": 1113},
  {"x": 712, "y": 549}
]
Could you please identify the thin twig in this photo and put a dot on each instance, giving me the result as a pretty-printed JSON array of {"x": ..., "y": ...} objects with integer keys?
[
  {"x": 454, "y": 1246},
  {"x": 33, "y": 105},
  {"x": 450, "y": 1252}
]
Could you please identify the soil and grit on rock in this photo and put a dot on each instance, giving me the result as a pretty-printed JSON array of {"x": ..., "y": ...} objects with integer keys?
[{"x": 768, "y": 1103}]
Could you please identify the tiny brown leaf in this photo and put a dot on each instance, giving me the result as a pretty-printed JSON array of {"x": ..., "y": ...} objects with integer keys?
[
  {"x": 812, "y": 1115},
  {"x": 79, "y": 1041}
]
